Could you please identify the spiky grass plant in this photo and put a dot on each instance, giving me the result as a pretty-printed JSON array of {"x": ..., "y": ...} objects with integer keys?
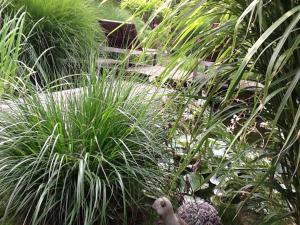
[
  {"x": 84, "y": 157},
  {"x": 61, "y": 33},
  {"x": 11, "y": 42},
  {"x": 253, "y": 40}
]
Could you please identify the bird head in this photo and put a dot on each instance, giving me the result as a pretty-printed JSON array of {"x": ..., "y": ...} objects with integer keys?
[{"x": 163, "y": 206}]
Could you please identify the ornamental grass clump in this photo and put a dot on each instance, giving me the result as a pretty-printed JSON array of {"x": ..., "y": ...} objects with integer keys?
[
  {"x": 11, "y": 42},
  {"x": 82, "y": 158},
  {"x": 61, "y": 33}
]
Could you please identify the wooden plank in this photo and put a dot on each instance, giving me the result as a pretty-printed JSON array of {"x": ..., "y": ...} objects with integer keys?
[
  {"x": 116, "y": 50},
  {"x": 250, "y": 85},
  {"x": 174, "y": 75},
  {"x": 104, "y": 62},
  {"x": 130, "y": 51}
]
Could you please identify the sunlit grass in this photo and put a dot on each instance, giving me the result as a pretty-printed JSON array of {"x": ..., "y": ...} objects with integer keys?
[
  {"x": 82, "y": 159},
  {"x": 11, "y": 43},
  {"x": 61, "y": 33}
]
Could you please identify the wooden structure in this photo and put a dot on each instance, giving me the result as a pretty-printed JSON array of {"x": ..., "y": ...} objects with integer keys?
[
  {"x": 122, "y": 38},
  {"x": 119, "y": 35}
]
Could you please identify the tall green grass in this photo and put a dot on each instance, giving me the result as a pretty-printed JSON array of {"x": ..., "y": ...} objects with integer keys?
[
  {"x": 254, "y": 40},
  {"x": 11, "y": 43},
  {"x": 61, "y": 33},
  {"x": 84, "y": 158}
]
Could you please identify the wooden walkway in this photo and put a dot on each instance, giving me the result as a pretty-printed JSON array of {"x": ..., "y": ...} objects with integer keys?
[{"x": 161, "y": 72}]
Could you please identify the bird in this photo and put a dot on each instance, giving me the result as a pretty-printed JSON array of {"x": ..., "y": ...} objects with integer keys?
[{"x": 189, "y": 213}]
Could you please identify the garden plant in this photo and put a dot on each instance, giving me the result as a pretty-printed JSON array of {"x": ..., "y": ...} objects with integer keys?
[
  {"x": 11, "y": 43},
  {"x": 61, "y": 34},
  {"x": 83, "y": 158},
  {"x": 251, "y": 40},
  {"x": 81, "y": 144}
]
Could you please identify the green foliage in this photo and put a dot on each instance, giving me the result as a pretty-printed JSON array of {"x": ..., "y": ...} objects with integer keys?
[
  {"x": 145, "y": 8},
  {"x": 254, "y": 37},
  {"x": 84, "y": 157},
  {"x": 64, "y": 32},
  {"x": 11, "y": 42},
  {"x": 110, "y": 10}
]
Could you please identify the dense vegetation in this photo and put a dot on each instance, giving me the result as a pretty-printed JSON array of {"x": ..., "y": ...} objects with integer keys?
[
  {"x": 146, "y": 8},
  {"x": 52, "y": 33},
  {"x": 11, "y": 42},
  {"x": 258, "y": 41},
  {"x": 83, "y": 158},
  {"x": 98, "y": 153}
]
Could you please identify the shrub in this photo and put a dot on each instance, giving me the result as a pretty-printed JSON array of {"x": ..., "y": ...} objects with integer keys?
[
  {"x": 65, "y": 32},
  {"x": 81, "y": 160},
  {"x": 145, "y": 7},
  {"x": 110, "y": 10}
]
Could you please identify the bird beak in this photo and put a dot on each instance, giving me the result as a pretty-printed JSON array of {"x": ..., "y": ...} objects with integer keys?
[{"x": 153, "y": 206}]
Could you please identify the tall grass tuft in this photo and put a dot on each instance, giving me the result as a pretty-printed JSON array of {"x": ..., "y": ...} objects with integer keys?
[
  {"x": 84, "y": 157},
  {"x": 11, "y": 42},
  {"x": 63, "y": 32}
]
